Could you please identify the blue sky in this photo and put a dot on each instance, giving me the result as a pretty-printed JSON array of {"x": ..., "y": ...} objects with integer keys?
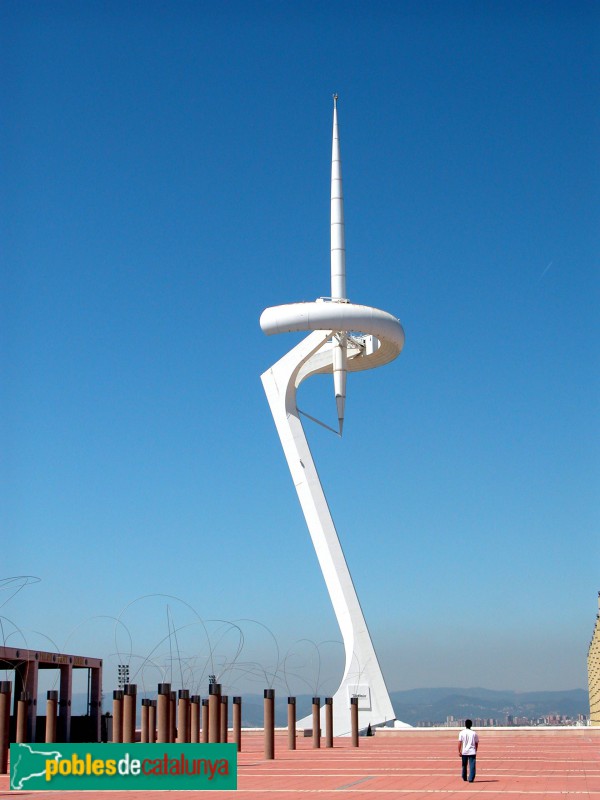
[{"x": 166, "y": 177}]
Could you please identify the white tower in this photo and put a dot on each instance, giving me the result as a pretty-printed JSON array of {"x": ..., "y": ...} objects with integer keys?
[{"x": 345, "y": 338}]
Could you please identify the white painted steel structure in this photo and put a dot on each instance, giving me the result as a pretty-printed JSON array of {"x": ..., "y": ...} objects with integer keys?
[{"x": 345, "y": 338}]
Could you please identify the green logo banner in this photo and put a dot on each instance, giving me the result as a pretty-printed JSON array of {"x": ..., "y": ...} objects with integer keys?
[{"x": 84, "y": 767}]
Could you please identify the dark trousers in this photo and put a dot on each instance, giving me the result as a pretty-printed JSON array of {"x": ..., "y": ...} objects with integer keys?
[{"x": 470, "y": 760}]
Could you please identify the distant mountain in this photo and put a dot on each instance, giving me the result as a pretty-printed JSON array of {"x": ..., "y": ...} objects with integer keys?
[{"x": 435, "y": 705}]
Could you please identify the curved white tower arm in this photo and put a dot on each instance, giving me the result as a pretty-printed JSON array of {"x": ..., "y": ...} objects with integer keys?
[{"x": 345, "y": 338}]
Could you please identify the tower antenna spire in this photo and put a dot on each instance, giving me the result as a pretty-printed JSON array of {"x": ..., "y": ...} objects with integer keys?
[
  {"x": 338, "y": 268},
  {"x": 338, "y": 246}
]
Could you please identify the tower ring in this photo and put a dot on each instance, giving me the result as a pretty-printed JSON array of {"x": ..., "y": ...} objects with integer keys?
[{"x": 385, "y": 331}]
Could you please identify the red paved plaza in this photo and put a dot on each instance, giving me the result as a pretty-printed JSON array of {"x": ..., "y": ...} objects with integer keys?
[{"x": 413, "y": 764}]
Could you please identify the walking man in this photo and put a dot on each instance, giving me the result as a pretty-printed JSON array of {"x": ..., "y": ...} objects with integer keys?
[{"x": 468, "y": 742}]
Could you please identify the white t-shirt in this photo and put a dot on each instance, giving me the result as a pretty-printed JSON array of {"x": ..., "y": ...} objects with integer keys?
[{"x": 469, "y": 739}]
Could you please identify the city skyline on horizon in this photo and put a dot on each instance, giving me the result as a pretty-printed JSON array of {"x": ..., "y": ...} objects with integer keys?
[{"x": 167, "y": 179}]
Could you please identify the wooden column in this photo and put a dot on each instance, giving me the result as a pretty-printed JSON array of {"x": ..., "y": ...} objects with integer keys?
[
  {"x": 163, "y": 701},
  {"x": 214, "y": 701},
  {"x": 22, "y": 709},
  {"x": 195, "y": 718},
  {"x": 51, "y": 715},
  {"x": 223, "y": 718},
  {"x": 145, "y": 734},
  {"x": 237, "y": 722},
  {"x": 204, "y": 725},
  {"x": 329, "y": 722},
  {"x": 316, "y": 722},
  {"x": 269, "y": 723},
  {"x": 173, "y": 716},
  {"x": 291, "y": 721},
  {"x": 5, "y": 693},
  {"x": 183, "y": 716},
  {"x": 354, "y": 720},
  {"x": 129, "y": 712},
  {"x": 152, "y": 722},
  {"x": 117, "y": 730}
]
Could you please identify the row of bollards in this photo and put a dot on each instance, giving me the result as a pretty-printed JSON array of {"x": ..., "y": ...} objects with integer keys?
[
  {"x": 176, "y": 717},
  {"x": 269, "y": 722}
]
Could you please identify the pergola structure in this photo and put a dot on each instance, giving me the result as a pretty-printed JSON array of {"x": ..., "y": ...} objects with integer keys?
[{"x": 26, "y": 665}]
